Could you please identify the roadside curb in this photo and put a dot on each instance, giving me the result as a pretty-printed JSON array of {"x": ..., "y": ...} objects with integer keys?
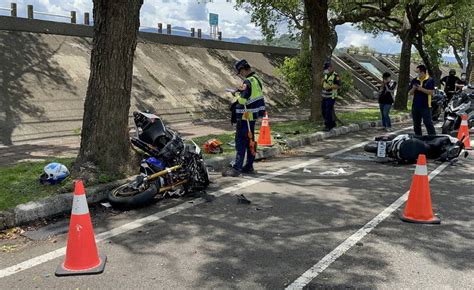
[{"x": 62, "y": 203}]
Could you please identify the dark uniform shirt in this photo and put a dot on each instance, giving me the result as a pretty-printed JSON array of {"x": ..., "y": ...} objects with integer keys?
[
  {"x": 449, "y": 83},
  {"x": 420, "y": 99}
]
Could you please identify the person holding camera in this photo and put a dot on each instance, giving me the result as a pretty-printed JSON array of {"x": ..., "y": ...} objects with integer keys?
[
  {"x": 386, "y": 100},
  {"x": 422, "y": 89}
]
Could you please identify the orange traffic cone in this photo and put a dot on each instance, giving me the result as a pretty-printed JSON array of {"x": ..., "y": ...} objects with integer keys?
[
  {"x": 81, "y": 251},
  {"x": 464, "y": 132},
  {"x": 418, "y": 208},
  {"x": 264, "y": 138}
]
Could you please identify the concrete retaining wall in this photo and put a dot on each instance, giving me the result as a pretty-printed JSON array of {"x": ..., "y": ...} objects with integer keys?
[{"x": 49, "y": 27}]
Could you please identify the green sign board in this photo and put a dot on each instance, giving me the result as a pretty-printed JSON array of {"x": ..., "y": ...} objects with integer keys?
[{"x": 213, "y": 19}]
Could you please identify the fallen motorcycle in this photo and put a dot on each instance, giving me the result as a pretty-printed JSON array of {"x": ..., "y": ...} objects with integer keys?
[
  {"x": 406, "y": 148},
  {"x": 169, "y": 167}
]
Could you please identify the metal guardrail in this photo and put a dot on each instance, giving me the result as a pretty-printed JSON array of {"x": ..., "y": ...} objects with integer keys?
[
  {"x": 169, "y": 30},
  {"x": 52, "y": 14}
]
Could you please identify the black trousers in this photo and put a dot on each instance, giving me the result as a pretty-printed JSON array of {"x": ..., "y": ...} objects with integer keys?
[{"x": 424, "y": 114}]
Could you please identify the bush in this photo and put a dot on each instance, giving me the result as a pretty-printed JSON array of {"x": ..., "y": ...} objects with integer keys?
[
  {"x": 297, "y": 73},
  {"x": 347, "y": 84}
]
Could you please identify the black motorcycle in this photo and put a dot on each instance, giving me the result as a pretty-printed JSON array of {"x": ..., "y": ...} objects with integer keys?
[
  {"x": 461, "y": 103},
  {"x": 170, "y": 167},
  {"x": 406, "y": 148},
  {"x": 438, "y": 102}
]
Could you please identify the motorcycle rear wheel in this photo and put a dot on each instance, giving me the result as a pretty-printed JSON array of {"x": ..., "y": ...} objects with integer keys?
[
  {"x": 126, "y": 197},
  {"x": 371, "y": 147}
]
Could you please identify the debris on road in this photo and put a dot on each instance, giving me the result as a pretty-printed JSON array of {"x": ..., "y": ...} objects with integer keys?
[
  {"x": 11, "y": 234},
  {"x": 106, "y": 204},
  {"x": 340, "y": 171},
  {"x": 242, "y": 199},
  {"x": 306, "y": 170}
]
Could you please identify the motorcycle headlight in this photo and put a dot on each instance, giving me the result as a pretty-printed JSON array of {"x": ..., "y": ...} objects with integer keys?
[{"x": 453, "y": 152}]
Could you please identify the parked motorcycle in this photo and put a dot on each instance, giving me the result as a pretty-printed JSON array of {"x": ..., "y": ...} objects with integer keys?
[
  {"x": 406, "y": 148},
  {"x": 170, "y": 167},
  {"x": 438, "y": 103},
  {"x": 461, "y": 103}
]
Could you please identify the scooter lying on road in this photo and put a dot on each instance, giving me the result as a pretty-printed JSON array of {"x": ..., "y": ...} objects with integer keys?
[
  {"x": 461, "y": 103},
  {"x": 170, "y": 167},
  {"x": 406, "y": 148}
]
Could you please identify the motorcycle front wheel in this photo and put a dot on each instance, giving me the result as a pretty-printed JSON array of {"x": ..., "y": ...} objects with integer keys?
[
  {"x": 126, "y": 196},
  {"x": 447, "y": 127}
]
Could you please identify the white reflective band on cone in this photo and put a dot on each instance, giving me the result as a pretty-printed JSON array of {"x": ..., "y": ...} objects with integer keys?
[
  {"x": 79, "y": 205},
  {"x": 421, "y": 170},
  {"x": 464, "y": 123}
]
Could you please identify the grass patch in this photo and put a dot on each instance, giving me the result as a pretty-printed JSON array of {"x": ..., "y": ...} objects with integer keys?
[
  {"x": 20, "y": 183},
  {"x": 363, "y": 115},
  {"x": 225, "y": 138},
  {"x": 291, "y": 128}
]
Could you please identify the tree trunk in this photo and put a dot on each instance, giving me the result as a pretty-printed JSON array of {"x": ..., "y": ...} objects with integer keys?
[
  {"x": 431, "y": 65},
  {"x": 457, "y": 56},
  {"x": 320, "y": 33},
  {"x": 401, "y": 98},
  {"x": 105, "y": 136}
]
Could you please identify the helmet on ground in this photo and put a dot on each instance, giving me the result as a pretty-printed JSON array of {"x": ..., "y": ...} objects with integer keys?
[
  {"x": 54, "y": 173},
  {"x": 213, "y": 146},
  {"x": 241, "y": 64}
]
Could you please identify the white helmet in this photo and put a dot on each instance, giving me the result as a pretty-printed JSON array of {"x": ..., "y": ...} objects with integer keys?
[{"x": 54, "y": 173}]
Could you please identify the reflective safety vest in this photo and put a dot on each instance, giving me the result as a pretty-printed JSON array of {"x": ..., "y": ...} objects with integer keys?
[
  {"x": 255, "y": 105},
  {"x": 329, "y": 81}
]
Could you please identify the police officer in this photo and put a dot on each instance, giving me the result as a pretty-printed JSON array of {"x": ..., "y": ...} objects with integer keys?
[
  {"x": 331, "y": 83},
  {"x": 248, "y": 107}
]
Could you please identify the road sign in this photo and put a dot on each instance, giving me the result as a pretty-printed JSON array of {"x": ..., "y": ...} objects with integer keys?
[{"x": 213, "y": 19}]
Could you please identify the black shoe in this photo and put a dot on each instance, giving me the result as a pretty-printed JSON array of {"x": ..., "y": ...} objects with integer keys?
[
  {"x": 248, "y": 170},
  {"x": 231, "y": 172}
]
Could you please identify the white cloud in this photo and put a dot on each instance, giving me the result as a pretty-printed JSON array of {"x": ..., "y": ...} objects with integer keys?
[{"x": 188, "y": 13}]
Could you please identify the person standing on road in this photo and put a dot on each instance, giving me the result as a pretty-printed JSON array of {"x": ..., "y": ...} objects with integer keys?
[
  {"x": 248, "y": 107},
  {"x": 331, "y": 83},
  {"x": 422, "y": 89},
  {"x": 449, "y": 83},
  {"x": 386, "y": 100}
]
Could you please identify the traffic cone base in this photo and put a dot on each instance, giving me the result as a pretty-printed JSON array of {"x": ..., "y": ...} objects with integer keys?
[
  {"x": 434, "y": 220},
  {"x": 418, "y": 207},
  {"x": 62, "y": 271}
]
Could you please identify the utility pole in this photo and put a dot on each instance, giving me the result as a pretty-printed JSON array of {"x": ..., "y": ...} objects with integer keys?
[{"x": 466, "y": 48}]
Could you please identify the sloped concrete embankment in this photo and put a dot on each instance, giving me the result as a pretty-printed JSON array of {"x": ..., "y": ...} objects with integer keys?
[{"x": 45, "y": 74}]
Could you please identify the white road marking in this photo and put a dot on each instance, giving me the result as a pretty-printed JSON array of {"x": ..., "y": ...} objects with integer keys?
[
  {"x": 319, "y": 267},
  {"x": 157, "y": 216}
]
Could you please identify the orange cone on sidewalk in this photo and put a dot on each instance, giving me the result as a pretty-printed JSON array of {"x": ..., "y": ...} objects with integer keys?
[
  {"x": 418, "y": 208},
  {"x": 264, "y": 138},
  {"x": 82, "y": 257},
  {"x": 464, "y": 132}
]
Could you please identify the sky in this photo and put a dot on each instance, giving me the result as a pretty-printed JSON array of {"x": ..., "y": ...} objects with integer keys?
[{"x": 189, "y": 13}]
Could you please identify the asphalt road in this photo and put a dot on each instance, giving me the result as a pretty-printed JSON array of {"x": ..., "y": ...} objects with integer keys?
[{"x": 295, "y": 219}]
